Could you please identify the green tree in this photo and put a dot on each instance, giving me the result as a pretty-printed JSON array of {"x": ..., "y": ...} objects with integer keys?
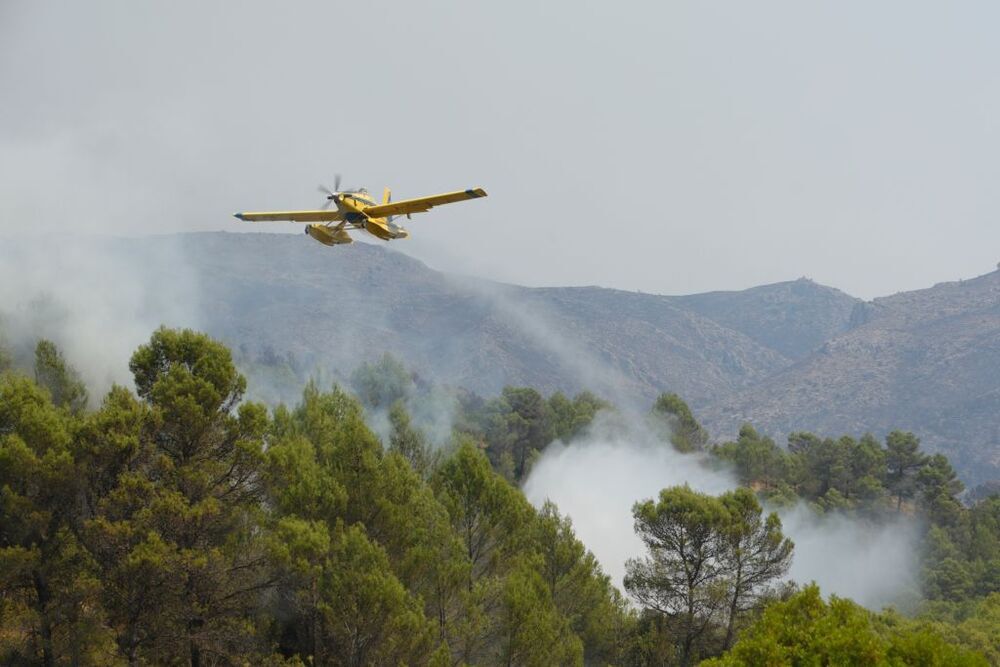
[
  {"x": 867, "y": 469},
  {"x": 531, "y": 631},
  {"x": 333, "y": 422},
  {"x": 61, "y": 379},
  {"x": 369, "y": 617},
  {"x": 47, "y": 580},
  {"x": 903, "y": 461},
  {"x": 492, "y": 520},
  {"x": 380, "y": 384},
  {"x": 490, "y": 516},
  {"x": 937, "y": 486},
  {"x": 972, "y": 625},
  {"x": 324, "y": 451},
  {"x": 756, "y": 458},
  {"x": 682, "y": 429},
  {"x": 681, "y": 577},
  {"x": 176, "y": 537},
  {"x": 756, "y": 553},
  {"x": 520, "y": 425},
  {"x": 570, "y": 417},
  {"x": 842, "y": 474},
  {"x": 806, "y": 630},
  {"x": 580, "y": 590},
  {"x": 407, "y": 440}
]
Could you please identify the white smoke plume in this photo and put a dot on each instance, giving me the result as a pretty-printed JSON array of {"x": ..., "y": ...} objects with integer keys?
[
  {"x": 432, "y": 412},
  {"x": 95, "y": 297},
  {"x": 537, "y": 326},
  {"x": 873, "y": 564},
  {"x": 597, "y": 478},
  {"x": 622, "y": 459}
]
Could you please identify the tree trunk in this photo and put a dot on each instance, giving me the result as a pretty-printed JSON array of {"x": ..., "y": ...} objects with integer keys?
[
  {"x": 193, "y": 625},
  {"x": 733, "y": 607},
  {"x": 731, "y": 626},
  {"x": 45, "y": 625}
]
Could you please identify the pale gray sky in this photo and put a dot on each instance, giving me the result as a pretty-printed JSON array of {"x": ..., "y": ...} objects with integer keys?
[{"x": 664, "y": 146}]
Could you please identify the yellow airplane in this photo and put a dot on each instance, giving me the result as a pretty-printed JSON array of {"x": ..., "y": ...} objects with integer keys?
[{"x": 356, "y": 210}]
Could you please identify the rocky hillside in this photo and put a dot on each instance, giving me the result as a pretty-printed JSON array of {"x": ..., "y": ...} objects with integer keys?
[
  {"x": 334, "y": 308},
  {"x": 788, "y": 356},
  {"x": 927, "y": 361},
  {"x": 793, "y": 318}
]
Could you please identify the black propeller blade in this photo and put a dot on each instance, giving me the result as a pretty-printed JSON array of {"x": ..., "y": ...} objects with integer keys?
[{"x": 331, "y": 195}]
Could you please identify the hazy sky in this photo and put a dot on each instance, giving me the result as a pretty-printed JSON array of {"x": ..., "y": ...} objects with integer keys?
[{"x": 664, "y": 146}]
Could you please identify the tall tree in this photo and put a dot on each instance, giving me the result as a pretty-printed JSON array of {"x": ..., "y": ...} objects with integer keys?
[
  {"x": 46, "y": 577},
  {"x": 55, "y": 374},
  {"x": 530, "y": 630},
  {"x": 380, "y": 384},
  {"x": 681, "y": 577},
  {"x": 521, "y": 426},
  {"x": 492, "y": 520},
  {"x": 407, "y": 440},
  {"x": 937, "y": 486},
  {"x": 581, "y": 591},
  {"x": 180, "y": 526},
  {"x": 490, "y": 516},
  {"x": 570, "y": 417},
  {"x": 903, "y": 461},
  {"x": 683, "y": 430},
  {"x": 756, "y": 553},
  {"x": 758, "y": 459}
]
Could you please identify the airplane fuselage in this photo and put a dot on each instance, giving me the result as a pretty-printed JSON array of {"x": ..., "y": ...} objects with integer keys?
[{"x": 352, "y": 206}]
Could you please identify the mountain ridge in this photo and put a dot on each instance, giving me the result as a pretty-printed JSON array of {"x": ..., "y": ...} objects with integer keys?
[{"x": 793, "y": 355}]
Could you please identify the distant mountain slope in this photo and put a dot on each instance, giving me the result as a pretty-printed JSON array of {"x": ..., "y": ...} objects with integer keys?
[
  {"x": 337, "y": 307},
  {"x": 793, "y": 318},
  {"x": 926, "y": 361},
  {"x": 789, "y": 356}
]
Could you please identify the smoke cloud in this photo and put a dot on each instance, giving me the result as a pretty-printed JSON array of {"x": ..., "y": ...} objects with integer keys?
[
  {"x": 96, "y": 298},
  {"x": 597, "y": 478},
  {"x": 545, "y": 335}
]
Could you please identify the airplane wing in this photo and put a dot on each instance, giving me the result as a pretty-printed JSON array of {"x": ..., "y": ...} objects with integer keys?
[
  {"x": 421, "y": 204},
  {"x": 291, "y": 216}
]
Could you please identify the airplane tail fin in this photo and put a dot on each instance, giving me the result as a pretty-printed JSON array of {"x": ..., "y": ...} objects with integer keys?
[{"x": 387, "y": 198}]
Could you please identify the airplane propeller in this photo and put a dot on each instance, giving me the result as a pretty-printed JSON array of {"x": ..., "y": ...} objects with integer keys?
[{"x": 331, "y": 194}]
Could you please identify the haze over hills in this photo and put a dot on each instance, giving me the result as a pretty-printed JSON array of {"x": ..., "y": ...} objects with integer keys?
[
  {"x": 789, "y": 356},
  {"x": 337, "y": 308}
]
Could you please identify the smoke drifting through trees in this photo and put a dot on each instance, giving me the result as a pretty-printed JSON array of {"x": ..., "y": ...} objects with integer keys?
[
  {"x": 94, "y": 298},
  {"x": 101, "y": 302},
  {"x": 597, "y": 478}
]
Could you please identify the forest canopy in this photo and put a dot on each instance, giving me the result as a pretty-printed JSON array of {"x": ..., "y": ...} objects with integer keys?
[{"x": 182, "y": 523}]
